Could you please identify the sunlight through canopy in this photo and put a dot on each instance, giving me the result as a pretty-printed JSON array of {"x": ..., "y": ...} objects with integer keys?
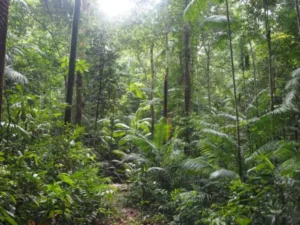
[{"x": 114, "y": 8}]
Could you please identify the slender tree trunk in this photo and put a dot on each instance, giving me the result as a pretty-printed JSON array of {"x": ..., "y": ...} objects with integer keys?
[
  {"x": 208, "y": 76},
  {"x": 79, "y": 102},
  {"x": 244, "y": 79},
  {"x": 166, "y": 79},
  {"x": 254, "y": 78},
  {"x": 72, "y": 62},
  {"x": 298, "y": 15},
  {"x": 152, "y": 89},
  {"x": 187, "y": 71},
  {"x": 99, "y": 97},
  {"x": 4, "y": 6},
  {"x": 268, "y": 35},
  {"x": 239, "y": 150}
]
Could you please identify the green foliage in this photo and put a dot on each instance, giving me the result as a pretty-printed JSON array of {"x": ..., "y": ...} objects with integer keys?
[
  {"x": 185, "y": 171},
  {"x": 52, "y": 179}
]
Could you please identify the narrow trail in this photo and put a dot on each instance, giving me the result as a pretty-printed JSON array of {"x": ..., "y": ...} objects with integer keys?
[{"x": 126, "y": 215}]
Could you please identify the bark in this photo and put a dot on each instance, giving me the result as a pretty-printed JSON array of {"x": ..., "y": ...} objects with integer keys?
[
  {"x": 4, "y": 6},
  {"x": 244, "y": 80},
  {"x": 268, "y": 35},
  {"x": 152, "y": 89},
  {"x": 207, "y": 50},
  {"x": 72, "y": 62},
  {"x": 239, "y": 150},
  {"x": 187, "y": 71},
  {"x": 166, "y": 80},
  {"x": 255, "y": 79},
  {"x": 298, "y": 15},
  {"x": 101, "y": 72},
  {"x": 79, "y": 102}
]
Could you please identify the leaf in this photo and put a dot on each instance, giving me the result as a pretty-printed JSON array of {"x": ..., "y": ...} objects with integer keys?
[
  {"x": 223, "y": 173},
  {"x": 8, "y": 216},
  {"x": 194, "y": 9},
  {"x": 199, "y": 164},
  {"x": 64, "y": 177},
  {"x": 15, "y": 127},
  {"x": 244, "y": 221},
  {"x": 15, "y": 76},
  {"x": 157, "y": 169}
]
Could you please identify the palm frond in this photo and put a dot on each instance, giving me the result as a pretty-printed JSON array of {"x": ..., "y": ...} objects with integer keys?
[
  {"x": 133, "y": 157},
  {"x": 223, "y": 174},
  {"x": 187, "y": 196},
  {"x": 266, "y": 149},
  {"x": 194, "y": 9},
  {"x": 15, "y": 127},
  {"x": 157, "y": 170},
  {"x": 199, "y": 165},
  {"x": 286, "y": 151},
  {"x": 290, "y": 167},
  {"x": 15, "y": 76},
  {"x": 218, "y": 134},
  {"x": 140, "y": 140}
]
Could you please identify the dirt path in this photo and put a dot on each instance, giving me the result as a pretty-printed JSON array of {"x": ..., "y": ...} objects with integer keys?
[{"x": 124, "y": 215}]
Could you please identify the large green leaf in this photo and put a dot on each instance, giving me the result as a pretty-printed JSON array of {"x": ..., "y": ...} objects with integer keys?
[{"x": 195, "y": 9}]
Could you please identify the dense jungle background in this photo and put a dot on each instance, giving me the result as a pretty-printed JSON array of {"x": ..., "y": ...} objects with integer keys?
[{"x": 172, "y": 112}]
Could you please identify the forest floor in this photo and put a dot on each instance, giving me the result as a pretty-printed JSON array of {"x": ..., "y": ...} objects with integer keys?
[{"x": 126, "y": 215}]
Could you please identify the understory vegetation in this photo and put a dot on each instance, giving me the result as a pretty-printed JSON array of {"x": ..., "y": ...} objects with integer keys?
[{"x": 174, "y": 112}]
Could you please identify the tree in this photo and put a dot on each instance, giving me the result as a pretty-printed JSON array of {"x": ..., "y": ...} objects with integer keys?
[
  {"x": 152, "y": 89},
  {"x": 268, "y": 36},
  {"x": 239, "y": 149},
  {"x": 79, "y": 102},
  {"x": 72, "y": 62},
  {"x": 187, "y": 68},
  {"x": 4, "y": 6},
  {"x": 298, "y": 14}
]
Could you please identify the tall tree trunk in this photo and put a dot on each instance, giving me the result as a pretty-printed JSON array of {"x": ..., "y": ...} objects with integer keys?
[
  {"x": 187, "y": 71},
  {"x": 79, "y": 102},
  {"x": 207, "y": 51},
  {"x": 4, "y": 6},
  {"x": 268, "y": 35},
  {"x": 298, "y": 15},
  {"x": 244, "y": 78},
  {"x": 239, "y": 150},
  {"x": 254, "y": 78},
  {"x": 152, "y": 89},
  {"x": 101, "y": 74},
  {"x": 166, "y": 79},
  {"x": 72, "y": 62}
]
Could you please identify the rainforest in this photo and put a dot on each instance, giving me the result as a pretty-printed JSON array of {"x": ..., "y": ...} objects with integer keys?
[{"x": 149, "y": 112}]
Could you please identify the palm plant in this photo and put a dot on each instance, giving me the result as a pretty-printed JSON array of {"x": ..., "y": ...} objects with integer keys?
[{"x": 15, "y": 76}]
